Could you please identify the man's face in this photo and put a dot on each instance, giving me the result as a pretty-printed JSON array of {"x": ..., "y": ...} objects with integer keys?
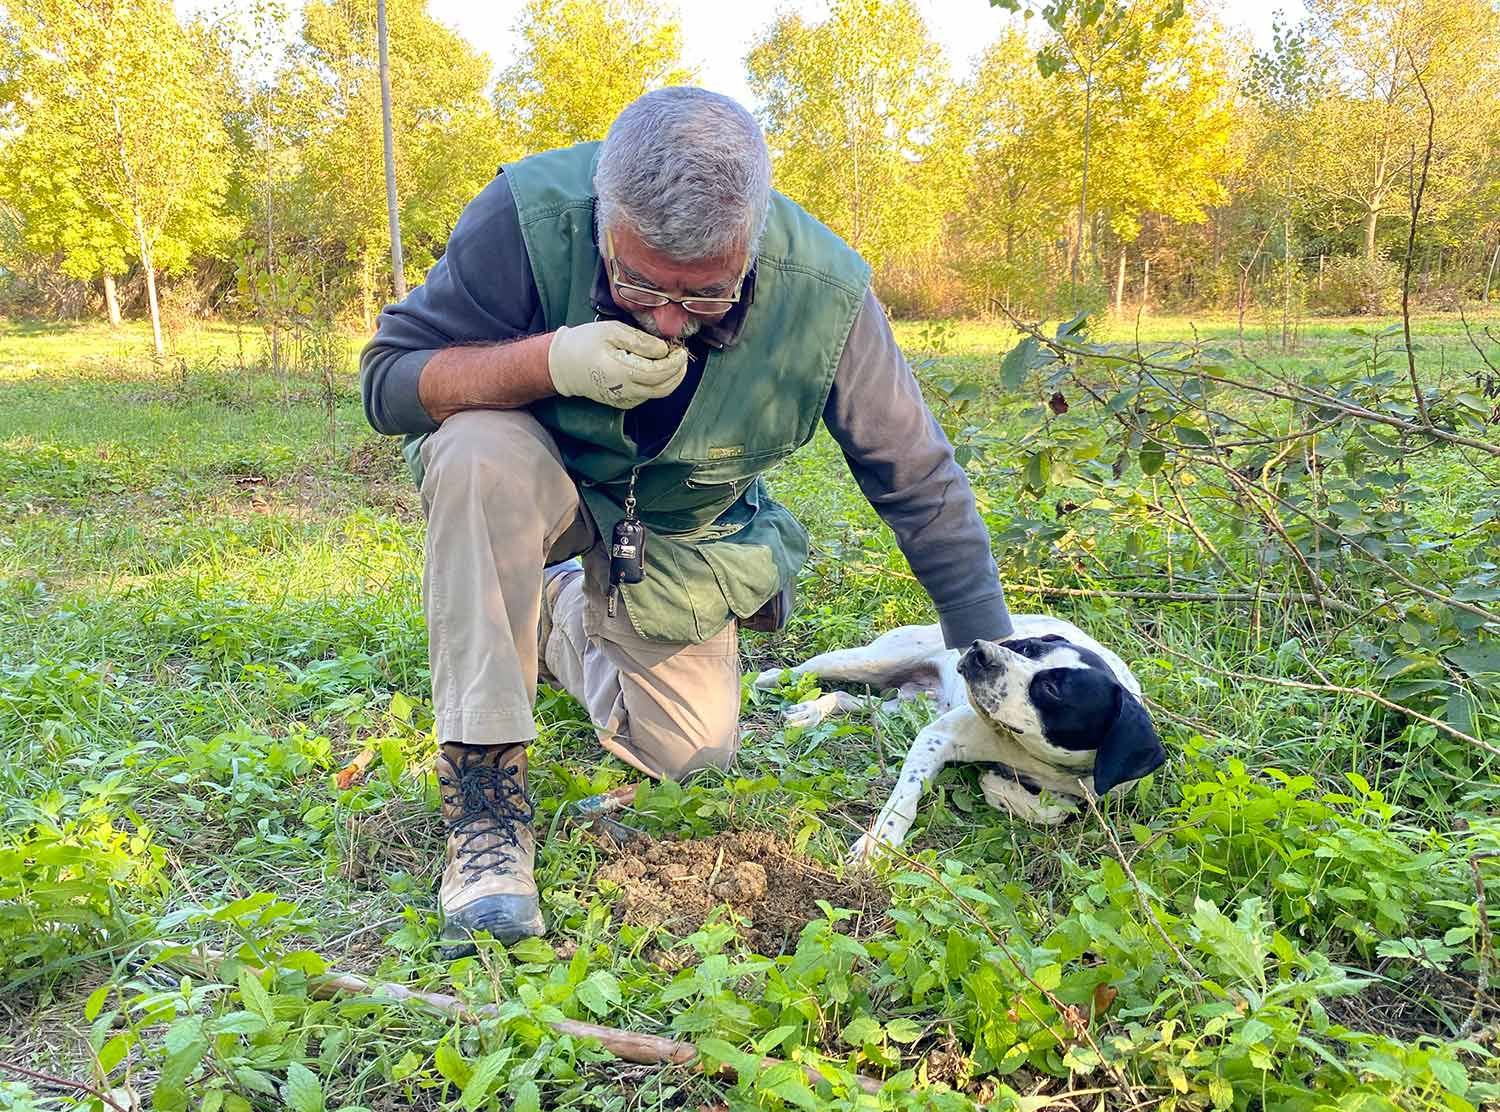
[{"x": 639, "y": 266}]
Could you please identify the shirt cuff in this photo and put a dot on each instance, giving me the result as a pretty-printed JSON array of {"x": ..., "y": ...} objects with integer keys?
[
  {"x": 402, "y": 404},
  {"x": 987, "y": 619}
]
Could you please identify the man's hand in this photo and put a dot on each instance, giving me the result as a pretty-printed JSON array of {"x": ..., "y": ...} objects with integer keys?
[{"x": 614, "y": 364}]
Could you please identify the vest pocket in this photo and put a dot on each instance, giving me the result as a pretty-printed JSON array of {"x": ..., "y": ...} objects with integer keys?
[
  {"x": 746, "y": 574},
  {"x": 737, "y": 471}
]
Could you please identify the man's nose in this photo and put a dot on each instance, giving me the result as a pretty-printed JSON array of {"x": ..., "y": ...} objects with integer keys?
[{"x": 671, "y": 320}]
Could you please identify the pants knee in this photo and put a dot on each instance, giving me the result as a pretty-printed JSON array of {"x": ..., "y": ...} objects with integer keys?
[
  {"x": 720, "y": 756},
  {"x": 666, "y": 754},
  {"x": 503, "y": 457}
]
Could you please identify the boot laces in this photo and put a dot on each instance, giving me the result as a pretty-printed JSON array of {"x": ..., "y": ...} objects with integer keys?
[{"x": 494, "y": 807}]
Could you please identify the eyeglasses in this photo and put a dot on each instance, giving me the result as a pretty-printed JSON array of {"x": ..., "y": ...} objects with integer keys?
[{"x": 643, "y": 297}]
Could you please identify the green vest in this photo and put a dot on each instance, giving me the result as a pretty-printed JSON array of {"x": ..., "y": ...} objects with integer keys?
[{"x": 718, "y": 545}]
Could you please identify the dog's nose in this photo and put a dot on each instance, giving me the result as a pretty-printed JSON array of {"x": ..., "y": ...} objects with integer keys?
[{"x": 976, "y": 658}]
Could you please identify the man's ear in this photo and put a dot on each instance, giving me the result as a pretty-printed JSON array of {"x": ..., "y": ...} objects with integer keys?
[{"x": 1130, "y": 749}]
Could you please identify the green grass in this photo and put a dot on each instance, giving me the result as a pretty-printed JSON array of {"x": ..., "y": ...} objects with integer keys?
[{"x": 210, "y": 602}]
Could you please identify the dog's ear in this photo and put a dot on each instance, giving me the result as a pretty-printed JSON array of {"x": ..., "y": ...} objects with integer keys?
[{"x": 1130, "y": 749}]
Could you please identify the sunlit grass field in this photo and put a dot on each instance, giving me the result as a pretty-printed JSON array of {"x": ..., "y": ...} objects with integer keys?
[{"x": 210, "y": 603}]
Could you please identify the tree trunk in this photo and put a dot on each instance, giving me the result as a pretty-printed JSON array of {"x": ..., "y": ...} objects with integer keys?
[
  {"x": 1286, "y": 281},
  {"x": 1120, "y": 286},
  {"x": 1242, "y": 296},
  {"x": 366, "y": 288},
  {"x": 1372, "y": 216},
  {"x": 1490, "y": 273},
  {"x": 1146, "y": 284},
  {"x": 398, "y": 266},
  {"x": 150, "y": 268},
  {"x": 1083, "y": 188},
  {"x": 111, "y": 299}
]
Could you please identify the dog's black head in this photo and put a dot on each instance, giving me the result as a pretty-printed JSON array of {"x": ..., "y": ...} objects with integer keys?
[{"x": 1063, "y": 704}]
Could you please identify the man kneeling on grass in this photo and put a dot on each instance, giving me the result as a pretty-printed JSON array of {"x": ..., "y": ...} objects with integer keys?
[{"x": 623, "y": 337}]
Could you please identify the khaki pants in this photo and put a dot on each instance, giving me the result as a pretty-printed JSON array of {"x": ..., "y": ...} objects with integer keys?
[{"x": 499, "y": 506}]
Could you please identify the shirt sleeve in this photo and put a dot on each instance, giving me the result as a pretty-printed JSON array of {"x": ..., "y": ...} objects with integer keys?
[
  {"x": 904, "y": 465},
  {"x": 480, "y": 291}
]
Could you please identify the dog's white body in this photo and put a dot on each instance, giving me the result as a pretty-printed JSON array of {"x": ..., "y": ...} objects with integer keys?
[{"x": 914, "y": 660}]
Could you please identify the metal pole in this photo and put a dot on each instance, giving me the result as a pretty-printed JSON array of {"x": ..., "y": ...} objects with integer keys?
[{"x": 398, "y": 270}]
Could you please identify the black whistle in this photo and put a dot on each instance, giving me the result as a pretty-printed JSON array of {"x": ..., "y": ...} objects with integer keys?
[{"x": 627, "y": 552}]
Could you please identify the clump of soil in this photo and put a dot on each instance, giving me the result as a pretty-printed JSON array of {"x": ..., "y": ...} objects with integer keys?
[{"x": 679, "y": 885}]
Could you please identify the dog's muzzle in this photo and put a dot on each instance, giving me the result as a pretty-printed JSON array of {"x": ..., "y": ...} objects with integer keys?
[{"x": 979, "y": 658}]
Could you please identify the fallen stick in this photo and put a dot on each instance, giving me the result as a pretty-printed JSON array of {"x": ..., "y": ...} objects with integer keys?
[
  {"x": 630, "y": 1046},
  {"x": 59, "y": 1083}
]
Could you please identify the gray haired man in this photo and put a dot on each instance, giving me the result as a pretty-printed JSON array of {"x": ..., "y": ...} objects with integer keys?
[{"x": 643, "y": 326}]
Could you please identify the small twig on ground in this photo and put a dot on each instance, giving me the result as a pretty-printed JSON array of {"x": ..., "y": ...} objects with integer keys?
[
  {"x": 1140, "y": 892},
  {"x": 1486, "y": 949},
  {"x": 60, "y": 1083}
]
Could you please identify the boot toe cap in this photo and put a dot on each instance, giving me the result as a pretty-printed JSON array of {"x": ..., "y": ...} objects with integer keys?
[{"x": 507, "y": 919}]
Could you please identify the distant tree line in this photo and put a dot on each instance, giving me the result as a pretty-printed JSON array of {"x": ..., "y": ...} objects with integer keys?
[{"x": 1100, "y": 153}]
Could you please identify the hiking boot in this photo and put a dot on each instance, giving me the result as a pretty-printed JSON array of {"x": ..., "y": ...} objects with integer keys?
[{"x": 488, "y": 883}]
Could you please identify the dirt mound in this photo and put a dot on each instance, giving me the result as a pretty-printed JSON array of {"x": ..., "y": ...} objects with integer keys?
[{"x": 679, "y": 885}]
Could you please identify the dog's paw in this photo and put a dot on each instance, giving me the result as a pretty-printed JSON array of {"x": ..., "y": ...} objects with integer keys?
[
  {"x": 1039, "y": 807},
  {"x": 805, "y": 715},
  {"x": 863, "y": 853},
  {"x": 770, "y": 679}
]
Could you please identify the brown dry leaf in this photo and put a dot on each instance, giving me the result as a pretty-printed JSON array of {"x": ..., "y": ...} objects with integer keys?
[
  {"x": 353, "y": 772},
  {"x": 1104, "y": 998},
  {"x": 1075, "y": 1019}
]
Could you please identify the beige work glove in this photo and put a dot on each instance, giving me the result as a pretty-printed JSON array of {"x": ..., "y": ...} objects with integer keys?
[{"x": 614, "y": 364}]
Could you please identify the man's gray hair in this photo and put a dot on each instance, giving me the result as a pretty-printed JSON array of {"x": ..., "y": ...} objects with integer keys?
[{"x": 688, "y": 171}]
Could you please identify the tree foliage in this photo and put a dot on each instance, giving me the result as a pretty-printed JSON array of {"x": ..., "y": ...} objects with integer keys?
[
  {"x": 1098, "y": 150},
  {"x": 580, "y": 62},
  {"x": 446, "y": 147},
  {"x": 1372, "y": 125},
  {"x": 852, "y": 106},
  {"x": 118, "y": 148}
]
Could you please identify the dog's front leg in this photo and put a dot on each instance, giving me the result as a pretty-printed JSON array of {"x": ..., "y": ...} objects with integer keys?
[{"x": 938, "y": 743}]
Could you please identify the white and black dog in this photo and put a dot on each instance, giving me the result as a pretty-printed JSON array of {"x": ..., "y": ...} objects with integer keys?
[{"x": 1040, "y": 710}]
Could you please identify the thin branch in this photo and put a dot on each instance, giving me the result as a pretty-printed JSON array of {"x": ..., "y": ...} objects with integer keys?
[
  {"x": 1388, "y": 568},
  {"x": 1486, "y": 947},
  {"x": 1148, "y": 596},
  {"x": 60, "y": 1082},
  {"x": 1192, "y": 523},
  {"x": 1291, "y": 391},
  {"x": 1140, "y": 892},
  {"x": 630, "y": 1046},
  {"x": 1330, "y": 688},
  {"x": 1271, "y": 519},
  {"x": 1411, "y": 245},
  {"x": 1314, "y": 580},
  {"x": 1483, "y": 355}
]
